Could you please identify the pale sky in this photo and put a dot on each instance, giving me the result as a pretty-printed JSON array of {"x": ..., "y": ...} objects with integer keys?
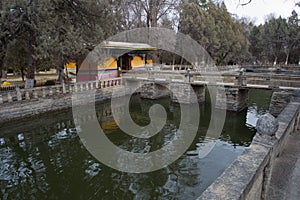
[{"x": 259, "y": 9}]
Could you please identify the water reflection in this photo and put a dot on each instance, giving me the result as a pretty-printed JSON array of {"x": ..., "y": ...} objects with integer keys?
[
  {"x": 259, "y": 105},
  {"x": 43, "y": 158}
]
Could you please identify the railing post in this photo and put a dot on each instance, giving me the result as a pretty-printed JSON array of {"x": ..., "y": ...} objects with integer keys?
[
  {"x": 9, "y": 97},
  {"x": 50, "y": 91},
  {"x": 71, "y": 88},
  {"x": 1, "y": 99},
  {"x": 27, "y": 96},
  {"x": 92, "y": 85},
  {"x": 19, "y": 95},
  {"x": 97, "y": 84},
  {"x": 81, "y": 87},
  {"x": 58, "y": 89},
  {"x": 44, "y": 93},
  {"x": 35, "y": 95},
  {"x": 75, "y": 87},
  {"x": 63, "y": 88}
]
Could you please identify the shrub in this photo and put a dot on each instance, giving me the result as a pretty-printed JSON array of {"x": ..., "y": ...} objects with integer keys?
[{"x": 49, "y": 82}]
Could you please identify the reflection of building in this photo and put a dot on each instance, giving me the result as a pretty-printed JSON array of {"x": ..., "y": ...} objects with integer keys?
[
  {"x": 115, "y": 58},
  {"x": 106, "y": 118}
]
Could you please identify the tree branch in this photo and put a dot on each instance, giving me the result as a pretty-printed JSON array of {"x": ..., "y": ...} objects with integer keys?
[{"x": 243, "y": 4}]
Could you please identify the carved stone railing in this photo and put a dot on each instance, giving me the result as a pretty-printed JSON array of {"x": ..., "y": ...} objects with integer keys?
[
  {"x": 248, "y": 177},
  {"x": 56, "y": 90}
]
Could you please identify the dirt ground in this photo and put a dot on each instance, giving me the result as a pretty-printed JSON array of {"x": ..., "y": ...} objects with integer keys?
[{"x": 40, "y": 78}]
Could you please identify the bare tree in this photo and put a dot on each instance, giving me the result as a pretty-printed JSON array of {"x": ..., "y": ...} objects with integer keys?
[{"x": 144, "y": 13}]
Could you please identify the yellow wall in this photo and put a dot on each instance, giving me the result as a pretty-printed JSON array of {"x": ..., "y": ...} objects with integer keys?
[
  {"x": 71, "y": 65},
  {"x": 109, "y": 64},
  {"x": 137, "y": 61}
]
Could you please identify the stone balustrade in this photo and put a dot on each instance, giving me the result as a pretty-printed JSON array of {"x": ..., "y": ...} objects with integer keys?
[
  {"x": 248, "y": 177},
  {"x": 56, "y": 90},
  {"x": 271, "y": 80}
]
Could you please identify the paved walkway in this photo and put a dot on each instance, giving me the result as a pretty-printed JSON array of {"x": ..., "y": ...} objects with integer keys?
[{"x": 285, "y": 178}]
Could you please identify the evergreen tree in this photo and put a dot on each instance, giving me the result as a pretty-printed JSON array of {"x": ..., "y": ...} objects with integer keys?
[
  {"x": 213, "y": 27},
  {"x": 275, "y": 32},
  {"x": 54, "y": 30},
  {"x": 292, "y": 40},
  {"x": 16, "y": 56},
  {"x": 257, "y": 43}
]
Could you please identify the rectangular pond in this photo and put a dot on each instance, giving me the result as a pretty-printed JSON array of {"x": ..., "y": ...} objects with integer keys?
[{"x": 43, "y": 157}]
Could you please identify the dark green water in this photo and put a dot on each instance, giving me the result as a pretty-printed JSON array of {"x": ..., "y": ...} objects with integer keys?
[{"x": 43, "y": 157}]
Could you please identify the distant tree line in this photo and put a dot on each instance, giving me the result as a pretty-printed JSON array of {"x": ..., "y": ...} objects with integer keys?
[
  {"x": 276, "y": 41},
  {"x": 39, "y": 34}
]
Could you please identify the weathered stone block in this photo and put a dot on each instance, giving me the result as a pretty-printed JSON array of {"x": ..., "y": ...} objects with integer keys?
[
  {"x": 200, "y": 93},
  {"x": 232, "y": 99},
  {"x": 278, "y": 102},
  {"x": 184, "y": 93},
  {"x": 152, "y": 90}
]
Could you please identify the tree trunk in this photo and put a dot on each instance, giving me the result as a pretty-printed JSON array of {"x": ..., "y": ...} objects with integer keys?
[
  {"x": 60, "y": 73},
  {"x": 29, "y": 83},
  {"x": 2, "y": 73},
  {"x": 275, "y": 61},
  {"x": 1, "y": 67},
  {"x": 287, "y": 58},
  {"x": 22, "y": 73},
  {"x": 173, "y": 63},
  {"x": 153, "y": 13}
]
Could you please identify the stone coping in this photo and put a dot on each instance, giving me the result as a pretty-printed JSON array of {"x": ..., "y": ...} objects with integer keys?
[
  {"x": 248, "y": 176},
  {"x": 47, "y": 92}
]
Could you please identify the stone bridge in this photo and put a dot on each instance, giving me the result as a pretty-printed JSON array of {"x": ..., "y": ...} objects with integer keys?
[{"x": 231, "y": 89}]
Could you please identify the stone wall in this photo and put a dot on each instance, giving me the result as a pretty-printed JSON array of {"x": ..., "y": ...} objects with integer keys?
[
  {"x": 279, "y": 101},
  {"x": 186, "y": 94},
  {"x": 30, "y": 102},
  {"x": 249, "y": 175},
  {"x": 178, "y": 90},
  {"x": 154, "y": 90},
  {"x": 232, "y": 98}
]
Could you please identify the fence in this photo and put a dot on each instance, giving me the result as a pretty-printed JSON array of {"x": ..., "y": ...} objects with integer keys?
[{"x": 45, "y": 92}]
